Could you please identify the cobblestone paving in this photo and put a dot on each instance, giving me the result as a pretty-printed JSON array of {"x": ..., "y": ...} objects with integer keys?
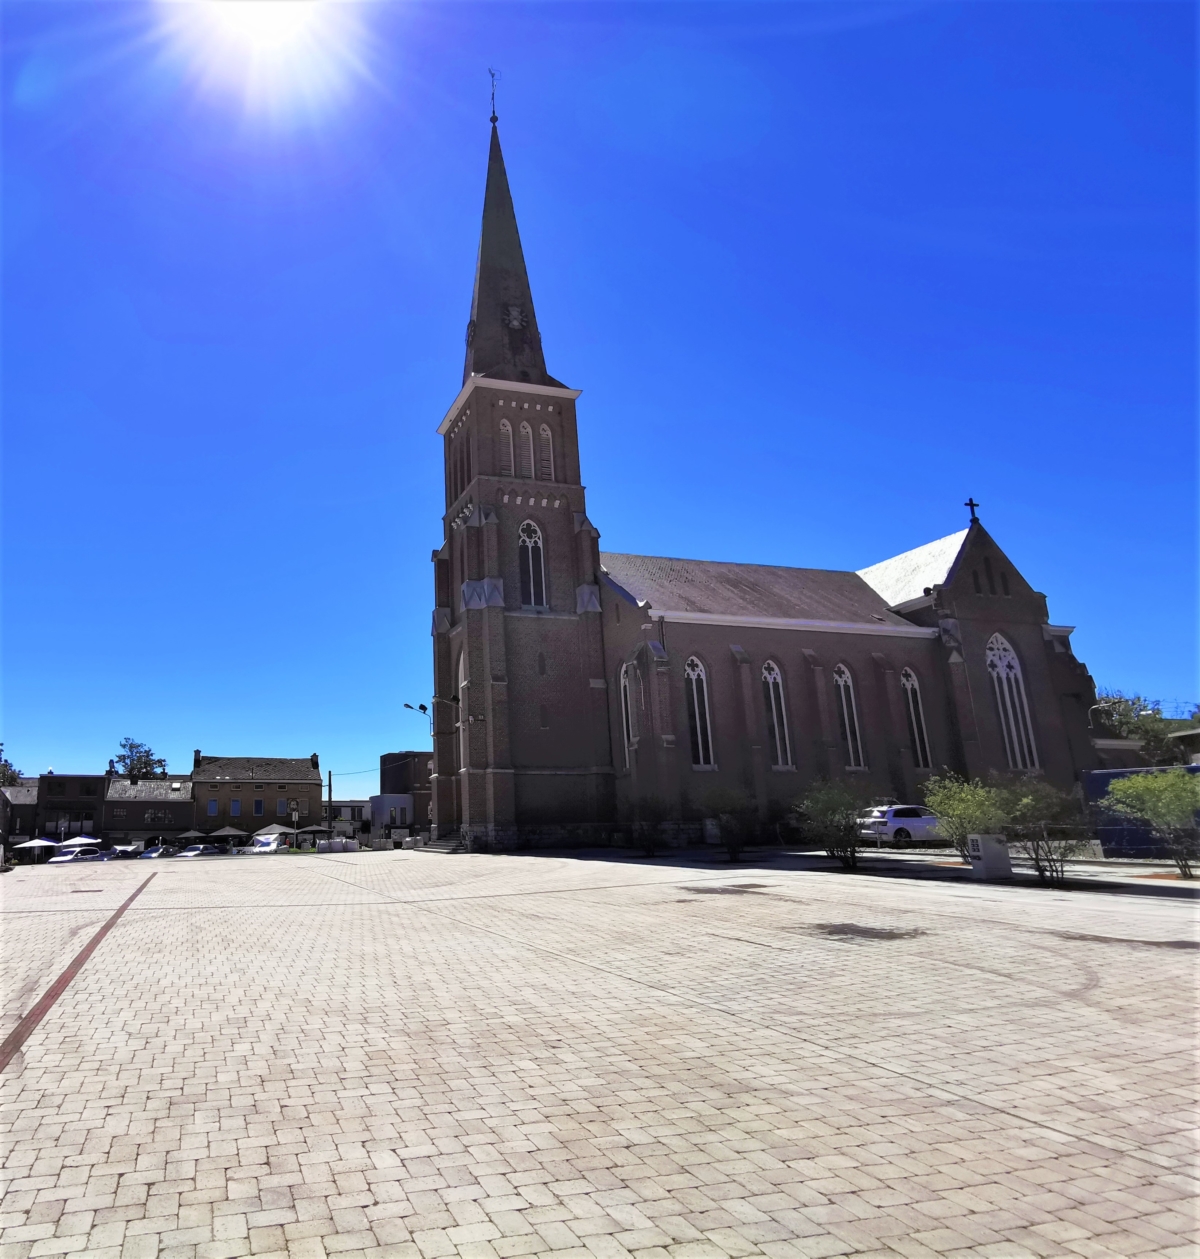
[{"x": 410, "y": 1054}]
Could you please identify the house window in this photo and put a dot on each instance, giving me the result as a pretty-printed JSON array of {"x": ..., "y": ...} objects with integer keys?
[
  {"x": 525, "y": 451},
  {"x": 392, "y": 812},
  {"x": 464, "y": 746},
  {"x": 626, "y": 714},
  {"x": 533, "y": 575},
  {"x": 545, "y": 454},
  {"x": 506, "y": 449},
  {"x": 56, "y": 789},
  {"x": 119, "y": 814},
  {"x": 848, "y": 718},
  {"x": 696, "y": 685},
  {"x": 304, "y": 806},
  {"x": 235, "y": 808},
  {"x": 1011, "y": 704},
  {"x": 281, "y": 807},
  {"x": 258, "y": 806},
  {"x": 777, "y": 731},
  {"x": 918, "y": 736},
  {"x": 212, "y": 808},
  {"x": 403, "y": 815}
]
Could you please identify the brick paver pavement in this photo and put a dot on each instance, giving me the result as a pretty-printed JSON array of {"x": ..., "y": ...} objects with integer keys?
[{"x": 409, "y": 1054}]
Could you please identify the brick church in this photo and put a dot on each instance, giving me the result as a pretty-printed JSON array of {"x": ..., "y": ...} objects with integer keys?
[{"x": 573, "y": 684}]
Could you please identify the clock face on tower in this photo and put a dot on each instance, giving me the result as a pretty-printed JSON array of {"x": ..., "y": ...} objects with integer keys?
[{"x": 514, "y": 317}]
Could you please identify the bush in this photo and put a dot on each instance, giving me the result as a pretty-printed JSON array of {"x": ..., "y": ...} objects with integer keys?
[
  {"x": 1168, "y": 802},
  {"x": 1042, "y": 823},
  {"x": 651, "y": 813},
  {"x": 737, "y": 816},
  {"x": 964, "y": 807},
  {"x": 828, "y": 814}
]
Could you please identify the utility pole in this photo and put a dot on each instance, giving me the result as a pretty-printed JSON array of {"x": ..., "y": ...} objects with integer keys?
[{"x": 329, "y": 820}]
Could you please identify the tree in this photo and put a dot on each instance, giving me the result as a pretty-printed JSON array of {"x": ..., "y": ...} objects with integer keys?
[
  {"x": 964, "y": 807},
  {"x": 1168, "y": 801},
  {"x": 1042, "y": 823},
  {"x": 138, "y": 760},
  {"x": 9, "y": 775},
  {"x": 828, "y": 813},
  {"x": 1119, "y": 716},
  {"x": 737, "y": 817},
  {"x": 652, "y": 812}
]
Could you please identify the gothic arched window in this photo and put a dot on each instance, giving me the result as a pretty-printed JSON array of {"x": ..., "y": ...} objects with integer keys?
[
  {"x": 1011, "y": 704},
  {"x": 626, "y": 714},
  {"x": 696, "y": 685},
  {"x": 526, "y": 451},
  {"x": 777, "y": 731},
  {"x": 463, "y": 746},
  {"x": 506, "y": 449},
  {"x": 545, "y": 454},
  {"x": 533, "y": 573},
  {"x": 918, "y": 736},
  {"x": 848, "y": 718}
]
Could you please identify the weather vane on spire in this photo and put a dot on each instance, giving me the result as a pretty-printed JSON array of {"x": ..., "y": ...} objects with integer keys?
[{"x": 495, "y": 79}]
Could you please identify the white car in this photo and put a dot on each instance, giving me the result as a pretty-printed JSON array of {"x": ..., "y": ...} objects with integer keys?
[
  {"x": 68, "y": 855},
  {"x": 900, "y": 822},
  {"x": 266, "y": 846}
]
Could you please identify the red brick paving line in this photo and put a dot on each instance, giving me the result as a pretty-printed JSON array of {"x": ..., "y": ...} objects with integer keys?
[{"x": 25, "y": 1028}]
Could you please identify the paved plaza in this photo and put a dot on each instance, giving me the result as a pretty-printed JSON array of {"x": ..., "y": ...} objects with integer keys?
[{"x": 411, "y": 1054}]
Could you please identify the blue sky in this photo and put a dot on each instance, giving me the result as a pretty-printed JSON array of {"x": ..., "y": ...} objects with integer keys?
[{"x": 821, "y": 271}]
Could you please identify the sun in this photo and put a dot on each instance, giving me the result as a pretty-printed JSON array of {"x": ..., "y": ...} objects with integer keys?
[{"x": 279, "y": 56}]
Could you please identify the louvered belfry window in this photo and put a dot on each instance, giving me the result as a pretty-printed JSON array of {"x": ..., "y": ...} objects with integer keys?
[
  {"x": 506, "y": 448},
  {"x": 525, "y": 451},
  {"x": 545, "y": 454}
]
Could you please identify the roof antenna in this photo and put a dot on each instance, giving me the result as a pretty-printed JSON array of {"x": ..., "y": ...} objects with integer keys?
[{"x": 495, "y": 79}]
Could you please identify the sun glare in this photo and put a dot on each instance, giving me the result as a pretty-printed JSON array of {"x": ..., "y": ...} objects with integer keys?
[{"x": 280, "y": 56}]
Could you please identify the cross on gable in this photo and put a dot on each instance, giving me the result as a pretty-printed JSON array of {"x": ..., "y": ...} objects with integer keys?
[{"x": 972, "y": 504}]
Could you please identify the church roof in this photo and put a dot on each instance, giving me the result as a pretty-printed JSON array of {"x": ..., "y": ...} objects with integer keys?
[
  {"x": 752, "y": 590},
  {"x": 503, "y": 342},
  {"x": 907, "y": 576}
]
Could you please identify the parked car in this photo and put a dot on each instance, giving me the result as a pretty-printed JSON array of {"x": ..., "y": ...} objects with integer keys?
[
  {"x": 162, "y": 850},
  {"x": 266, "y": 846},
  {"x": 900, "y": 823},
  {"x": 69, "y": 855},
  {"x": 124, "y": 852},
  {"x": 201, "y": 850}
]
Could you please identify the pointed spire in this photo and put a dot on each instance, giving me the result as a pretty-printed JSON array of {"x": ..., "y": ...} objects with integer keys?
[{"x": 503, "y": 342}]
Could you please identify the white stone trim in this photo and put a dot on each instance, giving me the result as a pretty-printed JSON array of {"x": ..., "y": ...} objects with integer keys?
[
  {"x": 513, "y": 386},
  {"x": 775, "y": 622}
]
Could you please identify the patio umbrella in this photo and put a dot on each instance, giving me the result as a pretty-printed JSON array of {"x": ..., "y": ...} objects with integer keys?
[
  {"x": 191, "y": 835},
  {"x": 35, "y": 844},
  {"x": 313, "y": 830},
  {"x": 276, "y": 828}
]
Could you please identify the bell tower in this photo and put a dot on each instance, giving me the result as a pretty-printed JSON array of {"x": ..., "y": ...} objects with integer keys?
[{"x": 522, "y": 752}]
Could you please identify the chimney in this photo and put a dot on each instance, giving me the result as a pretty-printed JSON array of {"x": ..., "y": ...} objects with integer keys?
[
  {"x": 112, "y": 769},
  {"x": 196, "y": 759},
  {"x": 316, "y": 764}
]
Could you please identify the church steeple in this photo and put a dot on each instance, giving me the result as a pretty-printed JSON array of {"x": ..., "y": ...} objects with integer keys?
[{"x": 503, "y": 342}]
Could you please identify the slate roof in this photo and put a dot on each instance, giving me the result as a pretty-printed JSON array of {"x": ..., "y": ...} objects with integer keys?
[
  {"x": 761, "y": 590},
  {"x": 21, "y": 794},
  {"x": 150, "y": 789},
  {"x": 906, "y": 576},
  {"x": 255, "y": 769}
]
